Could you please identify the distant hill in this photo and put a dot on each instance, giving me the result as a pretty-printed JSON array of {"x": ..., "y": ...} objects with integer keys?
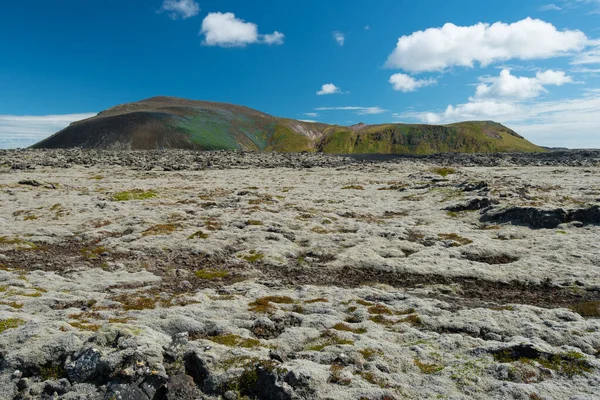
[{"x": 167, "y": 122}]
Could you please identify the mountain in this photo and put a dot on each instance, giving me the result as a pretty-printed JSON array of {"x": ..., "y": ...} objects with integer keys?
[{"x": 167, "y": 122}]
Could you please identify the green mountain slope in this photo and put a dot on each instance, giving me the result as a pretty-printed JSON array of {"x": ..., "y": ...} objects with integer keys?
[{"x": 166, "y": 122}]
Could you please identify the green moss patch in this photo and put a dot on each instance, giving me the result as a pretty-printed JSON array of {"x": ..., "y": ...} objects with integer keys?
[
  {"x": 160, "y": 229},
  {"x": 232, "y": 340},
  {"x": 589, "y": 309},
  {"x": 317, "y": 300},
  {"x": 569, "y": 364},
  {"x": 135, "y": 194},
  {"x": 198, "y": 235},
  {"x": 347, "y": 328},
  {"x": 444, "y": 171},
  {"x": 264, "y": 304},
  {"x": 326, "y": 339},
  {"x": 427, "y": 368},
  {"x": 10, "y": 323}
]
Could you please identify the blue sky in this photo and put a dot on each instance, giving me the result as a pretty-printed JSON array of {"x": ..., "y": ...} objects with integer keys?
[{"x": 533, "y": 65}]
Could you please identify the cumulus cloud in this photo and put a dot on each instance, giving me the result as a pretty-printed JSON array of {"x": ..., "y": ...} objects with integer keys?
[
  {"x": 23, "y": 131},
  {"x": 507, "y": 99},
  {"x": 180, "y": 8},
  {"x": 405, "y": 83},
  {"x": 225, "y": 30},
  {"x": 329, "y": 88},
  {"x": 508, "y": 86},
  {"x": 357, "y": 110},
  {"x": 438, "y": 48},
  {"x": 339, "y": 38}
]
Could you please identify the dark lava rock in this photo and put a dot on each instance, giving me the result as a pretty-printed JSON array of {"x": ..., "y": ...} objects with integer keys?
[
  {"x": 59, "y": 387},
  {"x": 87, "y": 367},
  {"x": 473, "y": 186},
  {"x": 542, "y": 219},
  {"x": 182, "y": 387},
  {"x": 470, "y": 205},
  {"x": 30, "y": 182},
  {"x": 124, "y": 391}
]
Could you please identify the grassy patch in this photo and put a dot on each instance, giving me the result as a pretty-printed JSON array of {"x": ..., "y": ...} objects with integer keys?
[
  {"x": 570, "y": 364},
  {"x": 327, "y": 339},
  {"x": 381, "y": 320},
  {"x": 12, "y": 304},
  {"x": 263, "y": 304},
  {"x": 428, "y": 368},
  {"x": 455, "y": 238},
  {"x": 51, "y": 372},
  {"x": 353, "y": 187},
  {"x": 211, "y": 274},
  {"x": 317, "y": 300},
  {"x": 379, "y": 309},
  {"x": 10, "y": 323},
  {"x": 443, "y": 171},
  {"x": 232, "y": 340},
  {"x": 364, "y": 303},
  {"x": 347, "y": 328},
  {"x": 413, "y": 320},
  {"x": 84, "y": 326},
  {"x": 198, "y": 234},
  {"x": 92, "y": 253},
  {"x": 587, "y": 309},
  {"x": 161, "y": 229},
  {"x": 336, "y": 375},
  {"x": 254, "y": 256},
  {"x": 212, "y": 225},
  {"x": 370, "y": 354},
  {"x": 135, "y": 194},
  {"x": 254, "y": 222},
  {"x": 373, "y": 379},
  {"x": 133, "y": 302}
]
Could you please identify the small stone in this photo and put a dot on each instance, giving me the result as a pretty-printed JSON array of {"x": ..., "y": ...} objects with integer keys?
[
  {"x": 30, "y": 182},
  {"x": 23, "y": 384},
  {"x": 230, "y": 395}
]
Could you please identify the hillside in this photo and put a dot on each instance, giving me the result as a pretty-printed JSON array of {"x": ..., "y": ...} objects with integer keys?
[{"x": 166, "y": 122}]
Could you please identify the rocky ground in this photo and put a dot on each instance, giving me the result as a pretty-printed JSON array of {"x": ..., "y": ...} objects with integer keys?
[{"x": 181, "y": 275}]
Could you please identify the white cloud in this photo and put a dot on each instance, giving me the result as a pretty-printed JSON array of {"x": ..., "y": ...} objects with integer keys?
[
  {"x": 180, "y": 8},
  {"x": 273, "y": 38},
  {"x": 550, "y": 7},
  {"x": 359, "y": 110},
  {"x": 508, "y": 86},
  {"x": 405, "y": 83},
  {"x": 23, "y": 131},
  {"x": 225, "y": 30},
  {"x": 368, "y": 28},
  {"x": 588, "y": 57},
  {"x": 339, "y": 38},
  {"x": 311, "y": 114},
  {"x": 329, "y": 88},
  {"x": 438, "y": 48}
]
